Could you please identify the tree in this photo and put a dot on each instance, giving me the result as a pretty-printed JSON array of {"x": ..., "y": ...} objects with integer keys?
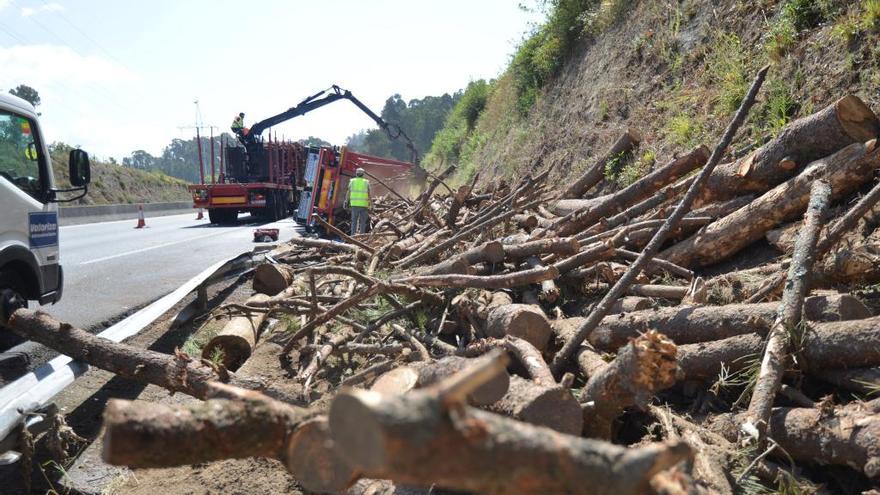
[{"x": 26, "y": 93}]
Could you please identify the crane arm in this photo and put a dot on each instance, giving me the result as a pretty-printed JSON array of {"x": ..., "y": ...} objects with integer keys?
[{"x": 326, "y": 97}]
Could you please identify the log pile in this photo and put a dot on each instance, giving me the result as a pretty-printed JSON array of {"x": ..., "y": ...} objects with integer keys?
[{"x": 510, "y": 339}]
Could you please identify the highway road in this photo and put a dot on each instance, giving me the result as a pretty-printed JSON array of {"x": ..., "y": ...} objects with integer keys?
[{"x": 111, "y": 268}]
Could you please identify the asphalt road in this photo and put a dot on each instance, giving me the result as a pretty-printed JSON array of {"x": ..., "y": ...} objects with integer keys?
[{"x": 111, "y": 268}]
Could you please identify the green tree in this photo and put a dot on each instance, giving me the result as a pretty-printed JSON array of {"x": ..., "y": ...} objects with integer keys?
[{"x": 26, "y": 93}]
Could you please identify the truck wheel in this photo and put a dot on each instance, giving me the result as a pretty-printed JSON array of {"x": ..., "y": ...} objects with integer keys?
[
  {"x": 214, "y": 215},
  {"x": 11, "y": 297}
]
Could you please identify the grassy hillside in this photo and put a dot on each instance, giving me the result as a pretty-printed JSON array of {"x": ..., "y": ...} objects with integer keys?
[
  {"x": 116, "y": 184},
  {"x": 675, "y": 70}
]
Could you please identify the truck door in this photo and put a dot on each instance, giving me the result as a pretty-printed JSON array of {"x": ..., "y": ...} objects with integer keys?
[{"x": 29, "y": 221}]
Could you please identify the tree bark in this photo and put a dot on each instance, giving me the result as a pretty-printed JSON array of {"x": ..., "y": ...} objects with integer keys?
[
  {"x": 625, "y": 143},
  {"x": 525, "y": 321},
  {"x": 458, "y": 200},
  {"x": 785, "y": 328},
  {"x": 413, "y": 440},
  {"x": 235, "y": 342},
  {"x": 664, "y": 291},
  {"x": 178, "y": 373},
  {"x": 643, "y": 367},
  {"x": 845, "y": 171},
  {"x": 550, "y": 406},
  {"x": 691, "y": 324},
  {"x": 418, "y": 375},
  {"x": 844, "y": 122},
  {"x": 506, "y": 281},
  {"x": 584, "y": 213},
  {"x": 564, "y": 246}
]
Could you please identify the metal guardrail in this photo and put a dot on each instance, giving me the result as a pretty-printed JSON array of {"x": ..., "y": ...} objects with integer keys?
[{"x": 36, "y": 389}]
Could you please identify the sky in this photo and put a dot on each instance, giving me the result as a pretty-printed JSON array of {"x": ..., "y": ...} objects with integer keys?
[{"x": 117, "y": 76}]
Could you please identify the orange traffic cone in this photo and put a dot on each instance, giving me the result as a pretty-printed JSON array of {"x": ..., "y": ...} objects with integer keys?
[
  {"x": 141, "y": 222},
  {"x": 200, "y": 216}
]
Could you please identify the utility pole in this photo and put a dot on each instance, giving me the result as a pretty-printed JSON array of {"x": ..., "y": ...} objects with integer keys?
[{"x": 199, "y": 125}]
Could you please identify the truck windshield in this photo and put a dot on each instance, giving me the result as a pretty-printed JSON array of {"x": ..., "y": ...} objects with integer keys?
[{"x": 19, "y": 153}]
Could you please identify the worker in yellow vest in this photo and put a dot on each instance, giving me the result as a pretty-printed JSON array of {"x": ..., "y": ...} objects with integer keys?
[{"x": 359, "y": 200}]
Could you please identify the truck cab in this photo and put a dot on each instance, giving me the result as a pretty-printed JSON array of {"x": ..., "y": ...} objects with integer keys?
[{"x": 30, "y": 263}]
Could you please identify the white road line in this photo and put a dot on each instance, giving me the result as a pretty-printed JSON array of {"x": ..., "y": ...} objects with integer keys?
[
  {"x": 129, "y": 220},
  {"x": 159, "y": 246}
]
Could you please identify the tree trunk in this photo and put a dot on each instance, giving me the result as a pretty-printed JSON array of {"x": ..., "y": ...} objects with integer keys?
[
  {"x": 506, "y": 281},
  {"x": 643, "y": 367},
  {"x": 584, "y": 213},
  {"x": 565, "y": 246},
  {"x": 550, "y": 406},
  {"x": 845, "y": 171},
  {"x": 625, "y": 143},
  {"x": 458, "y": 200},
  {"x": 235, "y": 342},
  {"x": 414, "y": 440},
  {"x": 178, "y": 373},
  {"x": 272, "y": 278},
  {"x": 417, "y": 375},
  {"x": 844, "y": 122},
  {"x": 691, "y": 324}
]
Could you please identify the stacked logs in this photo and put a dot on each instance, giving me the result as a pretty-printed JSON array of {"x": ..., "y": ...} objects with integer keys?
[{"x": 508, "y": 339}]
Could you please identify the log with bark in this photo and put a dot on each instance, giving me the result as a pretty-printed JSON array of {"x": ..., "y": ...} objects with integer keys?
[
  {"x": 845, "y": 171},
  {"x": 844, "y": 122},
  {"x": 235, "y": 342},
  {"x": 417, "y": 375},
  {"x": 525, "y": 321},
  {"x": 272, "y": 278},
  {"x": 625, "y": 143},
  {"x": 548, "y": 405}
]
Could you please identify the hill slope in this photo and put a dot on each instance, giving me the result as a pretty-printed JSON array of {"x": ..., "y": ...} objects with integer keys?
[{"x": 675, "y": 71}]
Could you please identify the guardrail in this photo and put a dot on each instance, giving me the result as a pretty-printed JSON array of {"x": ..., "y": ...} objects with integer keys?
[
  {"x": 73, "y": 215},
  {"x": 34, "y": 390}
]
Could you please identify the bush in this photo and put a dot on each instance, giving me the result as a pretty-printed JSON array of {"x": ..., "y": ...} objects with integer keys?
[{"x": 726, "y": 70}]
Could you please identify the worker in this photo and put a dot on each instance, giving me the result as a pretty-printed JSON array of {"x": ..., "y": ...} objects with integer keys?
[
  {"x": 238, "y": 125},
  {"x": 359, "y": 200}
]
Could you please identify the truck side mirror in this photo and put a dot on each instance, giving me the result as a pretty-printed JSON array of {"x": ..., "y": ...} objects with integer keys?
[{"x": 80, "y": 169}]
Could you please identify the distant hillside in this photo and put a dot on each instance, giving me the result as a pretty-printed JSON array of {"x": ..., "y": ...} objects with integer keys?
[{"x": 117, "y": 184}]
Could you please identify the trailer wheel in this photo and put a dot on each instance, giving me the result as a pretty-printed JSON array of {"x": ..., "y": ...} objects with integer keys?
[
  {"x": 222, "y": 216},
  {"x": 11, "y": 298}
]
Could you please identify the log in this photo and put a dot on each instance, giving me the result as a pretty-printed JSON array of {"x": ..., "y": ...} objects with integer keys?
[
  {"x": 549, "y": 290},
  {"x": 845, "y": 171},
  {"x": 831, "y": 238},
  {"x": 272, "y": 278},
  {"x": 643, "y": 367},
  {"x": 599, "y": 251},
  {"x": 625, "y": 143},
  {"x": 405, "y": 245},
  {"x": 235, "y": 342},
  {"x": 527, "y": 222},
  {"x": 560, "y": 361},
  {"x": 418, "y": 375},
  {"x": 826, "y": 346},
  {"x": 525, "y": 321},
  {"x": 844, "y": 122},
  {"x": 784, "y": 329},
  {"x": 458, "y": 200},
  {"x": 691, "y": 324},
  {"x": 524, "y": 353},
  {"x": 628, "y": 304},
  {"x": 549, "y": 406},
  {"x": 506, "y": 281},
  {"x": 565, "y": 246},
  {"x": 859, "y": 380},
  {"x": 324, "y": 244},
  {"x": 312, "y": 460},
  {"x": 177, "y": 373},
  {"x": 413, "y": 440},
  {"x": 832, "y": 435},
  {"x": 664, "y": 291},
  {"x": 584, "y": 213}
]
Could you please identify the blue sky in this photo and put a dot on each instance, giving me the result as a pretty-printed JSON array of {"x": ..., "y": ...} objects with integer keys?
[{"x": 116, "y": 76}]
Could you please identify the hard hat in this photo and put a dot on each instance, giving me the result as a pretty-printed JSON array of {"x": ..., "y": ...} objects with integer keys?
[{"x": 359, "y": 171}]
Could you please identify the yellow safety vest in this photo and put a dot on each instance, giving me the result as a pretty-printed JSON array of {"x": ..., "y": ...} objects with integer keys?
[
  {"x": 238, "y": 123},
  {"x": 359, "y": 192}
]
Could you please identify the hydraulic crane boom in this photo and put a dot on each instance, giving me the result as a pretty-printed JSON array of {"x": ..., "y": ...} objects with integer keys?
[{"x": 326, "y": 97}]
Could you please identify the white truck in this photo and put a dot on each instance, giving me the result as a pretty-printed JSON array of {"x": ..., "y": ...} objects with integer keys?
[{"x": 30, "y": 265}]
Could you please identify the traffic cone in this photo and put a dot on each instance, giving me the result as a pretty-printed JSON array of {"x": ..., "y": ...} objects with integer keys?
[
  {"x": 200, "y": 216},
  {"x": 141, "y": 222}
]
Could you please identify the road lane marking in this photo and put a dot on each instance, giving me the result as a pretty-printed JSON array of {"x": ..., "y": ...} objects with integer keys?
[
  {"x": 126, "y": 220},
  {"x": 159, "y": 246}
]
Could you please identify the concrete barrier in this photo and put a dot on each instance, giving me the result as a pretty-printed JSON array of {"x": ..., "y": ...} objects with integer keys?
[{"x": 75, "y": 215}]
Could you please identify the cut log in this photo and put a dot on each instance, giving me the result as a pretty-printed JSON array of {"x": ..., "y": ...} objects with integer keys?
[
  {"x": 312, "y": 460},
  {"x": 550, "y": 406},
  {"x": 643, "y": 367},
  {"x": 691, "y": 324},
  {"x": 628, "y": 304},
  {"x": 584, "y": 213},
  {"x": 458, "y": 200},
  {"x": 413, "y": 440},
  {"x": 845, "y": 171},
  {"x": 506, "y": 281},
  {"x": 235, "y": 342},
  {"x": 177, "y": 373},
  {"x": 328, "y": 245},
  {"x": 859, "y": 380},
  {"x": 549, "y": 290},
  {"x": 272, "y": 278},
  {"x": 418, "y": 375},
  {"x": 664, "y": 291},
  {"x": 525, "y": 321},
  {"x": 405, "y": 245},
  {"x": 625, "y": 143},
  {"x": 776, "y": 354},
  {"x": 844, "y": 122},
  {"x": 825, "y": 346},
  {"x": 565, "y": 246}
]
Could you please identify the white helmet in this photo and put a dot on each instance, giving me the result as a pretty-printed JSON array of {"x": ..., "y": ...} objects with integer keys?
[{"x": 359, "y": 172}]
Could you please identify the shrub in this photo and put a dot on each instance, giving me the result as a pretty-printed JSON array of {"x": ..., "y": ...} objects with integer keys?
[
  {"x": 681, "y": 129},
  {"x": 726, "y": 70}
]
